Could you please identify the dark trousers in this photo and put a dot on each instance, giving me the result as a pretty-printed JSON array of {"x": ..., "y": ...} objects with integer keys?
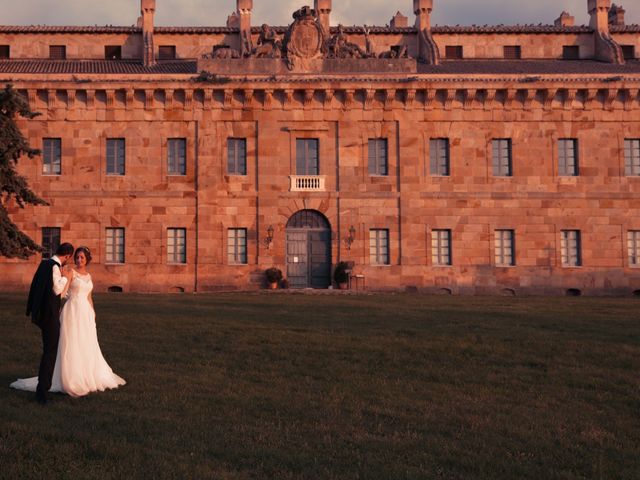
[{"x": 50, "y": 336}]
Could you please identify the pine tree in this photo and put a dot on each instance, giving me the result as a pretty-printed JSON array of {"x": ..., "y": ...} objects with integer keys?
[{"x": 13, "y": 187}]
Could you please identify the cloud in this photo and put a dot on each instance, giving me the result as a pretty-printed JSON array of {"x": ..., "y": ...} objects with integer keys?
[{"x": 278, "y": 12}]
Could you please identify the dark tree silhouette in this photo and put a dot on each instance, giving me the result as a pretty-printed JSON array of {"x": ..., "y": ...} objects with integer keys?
[{"x": 13, "y": 187}]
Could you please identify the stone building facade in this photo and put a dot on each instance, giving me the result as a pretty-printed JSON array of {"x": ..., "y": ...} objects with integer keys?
[{"x": 465, "y": 160}]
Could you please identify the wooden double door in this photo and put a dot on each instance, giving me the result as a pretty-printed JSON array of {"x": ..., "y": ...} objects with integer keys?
[{"x": 309, "y": 253}]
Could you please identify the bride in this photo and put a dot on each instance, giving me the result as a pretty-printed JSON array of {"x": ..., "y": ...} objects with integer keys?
[{"x": 80, "y": 367}]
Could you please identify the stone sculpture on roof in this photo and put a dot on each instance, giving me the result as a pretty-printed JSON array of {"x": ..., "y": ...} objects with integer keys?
[
  {"x": 269, "y": 45},
  {"x": 305, "y": 39}
]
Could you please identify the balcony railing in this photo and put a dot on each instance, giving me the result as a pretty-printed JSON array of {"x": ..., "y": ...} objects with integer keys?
[{"x": 307, "y": 183}]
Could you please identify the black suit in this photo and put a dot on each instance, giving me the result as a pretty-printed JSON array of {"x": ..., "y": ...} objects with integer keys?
[{"x": 43, "y": 306}]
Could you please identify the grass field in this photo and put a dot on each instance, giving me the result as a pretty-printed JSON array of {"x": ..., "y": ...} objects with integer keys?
[{"x": 289, "y": 386}]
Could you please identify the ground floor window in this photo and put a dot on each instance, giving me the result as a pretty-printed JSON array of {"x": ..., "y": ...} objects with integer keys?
[
  {"x": 441, "y": 247},
  {"x": 570, "y": 246},
  {"x": 50, "y": 241},
  {"x": 177, "y": 245},
  {"x": 379, "y": 246},
  {"x": 633, "y": 245},
  {"x": 237, "y": 246},
  {"x": 505, "y": 248},
  {"x": 115, "y": 245}
]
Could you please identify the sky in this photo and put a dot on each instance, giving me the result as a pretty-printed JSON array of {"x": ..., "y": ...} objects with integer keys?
[{"x": 278, "y": 12}]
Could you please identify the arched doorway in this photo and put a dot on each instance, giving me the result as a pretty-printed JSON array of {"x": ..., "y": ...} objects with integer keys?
[{"x": 308, "y": 250}]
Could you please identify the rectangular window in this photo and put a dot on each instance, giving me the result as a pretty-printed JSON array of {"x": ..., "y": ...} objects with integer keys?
[
  {"x": 115, "y": 156},
  {"x": 379, "y": 246},
  {"x": 51, "y": 156},
  {"x": 177, "y": 156},
  {"x": 57, "y": 52},
  {"x": 5, "y": 51},
  {"x": 237, "y": 246},
  {"x": 307, "y": 156},
  {"x": 176, "y": 245},
  {"x": 115, "y": 245},
  {"x": 378, "y": 157},
  {"x": 112, "y": 52},
  {"x": 439, "y": 157},
  {"x": 441, "y": 247},
  {"x": 629, "y": 52},
  {"x": 167, "y": 52},
  {"x": 453, "y": 52},
  {"x": 502, "y": 157},
  {"x": 632, "y": 157},
  {"x": 512, "y": 52},
  {"x": 571, "y": 256},
  {"x": 505, "y": 248},
  {"x": 50, "y": 241},
  {"x": 633, "y": 246},
  {"x": 571, "y": 52},
  {"x": 568, "y": 157},
  {"x": 237, "y": 156}
]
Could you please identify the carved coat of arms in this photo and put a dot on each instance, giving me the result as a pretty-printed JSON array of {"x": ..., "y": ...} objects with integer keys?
[{"x": 305, "y": 38}]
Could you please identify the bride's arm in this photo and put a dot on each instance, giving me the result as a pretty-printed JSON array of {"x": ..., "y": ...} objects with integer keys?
[{"x": 90, "y": 297}]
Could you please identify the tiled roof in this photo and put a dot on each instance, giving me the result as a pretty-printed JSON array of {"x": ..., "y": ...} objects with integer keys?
[
  {"x": 530, "y": 67},
  {"x": 507, "y": 29},
  {"x": 96, "y": 67},
  {"x": 437, "y": 29}
]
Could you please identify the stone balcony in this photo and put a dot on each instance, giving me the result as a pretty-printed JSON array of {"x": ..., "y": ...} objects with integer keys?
[{"x": 307, "y": 183}]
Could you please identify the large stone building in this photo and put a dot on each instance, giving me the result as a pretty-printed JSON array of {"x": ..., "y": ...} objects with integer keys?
[{"x": 458, "y": 159}]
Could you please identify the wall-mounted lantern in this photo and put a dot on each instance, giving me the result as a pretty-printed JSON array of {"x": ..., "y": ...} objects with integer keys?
[
  {"x": 351, "y": 237},
  {"x": 269, "y": 239}
]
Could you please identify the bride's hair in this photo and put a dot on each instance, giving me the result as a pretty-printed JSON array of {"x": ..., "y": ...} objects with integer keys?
[{"x": 86, "y": 251}]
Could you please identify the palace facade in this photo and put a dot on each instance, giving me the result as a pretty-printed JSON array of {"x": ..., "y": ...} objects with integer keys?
[{"x": 444, "y": 159}]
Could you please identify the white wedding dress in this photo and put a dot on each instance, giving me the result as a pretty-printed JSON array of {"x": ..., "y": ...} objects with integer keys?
[{"x": 80, "y": 367}]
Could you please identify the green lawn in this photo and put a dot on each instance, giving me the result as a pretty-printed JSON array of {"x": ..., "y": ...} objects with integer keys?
[{"x": 289, "y": 386}]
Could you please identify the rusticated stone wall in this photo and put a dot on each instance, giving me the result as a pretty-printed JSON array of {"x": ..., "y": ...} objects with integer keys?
[{"x": 343, "y": 114}]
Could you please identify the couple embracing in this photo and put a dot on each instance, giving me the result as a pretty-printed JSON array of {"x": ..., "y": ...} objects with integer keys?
[{"x": 71, "y": 362}]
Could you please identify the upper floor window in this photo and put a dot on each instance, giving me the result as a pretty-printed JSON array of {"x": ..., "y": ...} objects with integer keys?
[
  {"x": 307, "y": 156},
  {"x": 632, "y": 157},
  {"x": 512, "y": 52},
  {"x": 571, "y": 52},
  {"x": 571, "y": 248},
  {"x": 378, "y": 156},
  {"x": 115, "y": 156},
  {"x": 112, "y": 52},
  {"x": 441, "y": 247},
  {"x": 5, "y": 51},
  {"x": 237, "y": 156},
  {"x": 439, "y": 157},
  {"x": 50, "y": 241},
  {"x": 568, "y": 157},
  {"x": 177, "y": 156},
  {"x": 51, "y": 156},
  {"x": 505, "y": 248},
  {"x": 115, "y": 245},
  {"x": 176, "y": 245},
  {"x": 628, "y": 52},
  {"x": 453, "y": 51},
  {"x": 633, "y": 247},
  {"x": 379, "y": 246},
  {"x": 502, "y": 164},
  {"x": 57, "y": 52},
  {"x": 237, "y": 246},
  {"x": 167, "y": 52}
]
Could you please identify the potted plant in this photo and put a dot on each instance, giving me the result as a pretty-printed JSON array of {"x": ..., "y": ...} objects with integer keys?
[
  {"x": 274, "y": 275},
  {"x": 341, "y": 275}
]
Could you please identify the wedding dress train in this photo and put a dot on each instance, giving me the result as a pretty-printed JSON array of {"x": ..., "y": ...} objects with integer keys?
[{"x": 80, "y": 367}]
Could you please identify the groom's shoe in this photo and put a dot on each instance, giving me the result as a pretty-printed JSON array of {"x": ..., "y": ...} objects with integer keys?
[{"x": 42, "y": 398}]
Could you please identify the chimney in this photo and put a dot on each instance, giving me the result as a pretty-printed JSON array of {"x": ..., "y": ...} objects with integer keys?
[
  {"x": 323, "y": 9},
  {"x": 148, "y": 10},
  {"x": 565, "y": 20},
  {"x": 616, "y": 15},
  {"x": 399, "y": 21},
  {"x": 599, "y": 13},
  {"x": 422, "y": 9},
  {"x": 244, "y": 8}
]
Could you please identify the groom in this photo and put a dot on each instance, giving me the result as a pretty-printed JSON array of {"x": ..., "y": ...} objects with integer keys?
[{"x": 43, "y": 306}]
